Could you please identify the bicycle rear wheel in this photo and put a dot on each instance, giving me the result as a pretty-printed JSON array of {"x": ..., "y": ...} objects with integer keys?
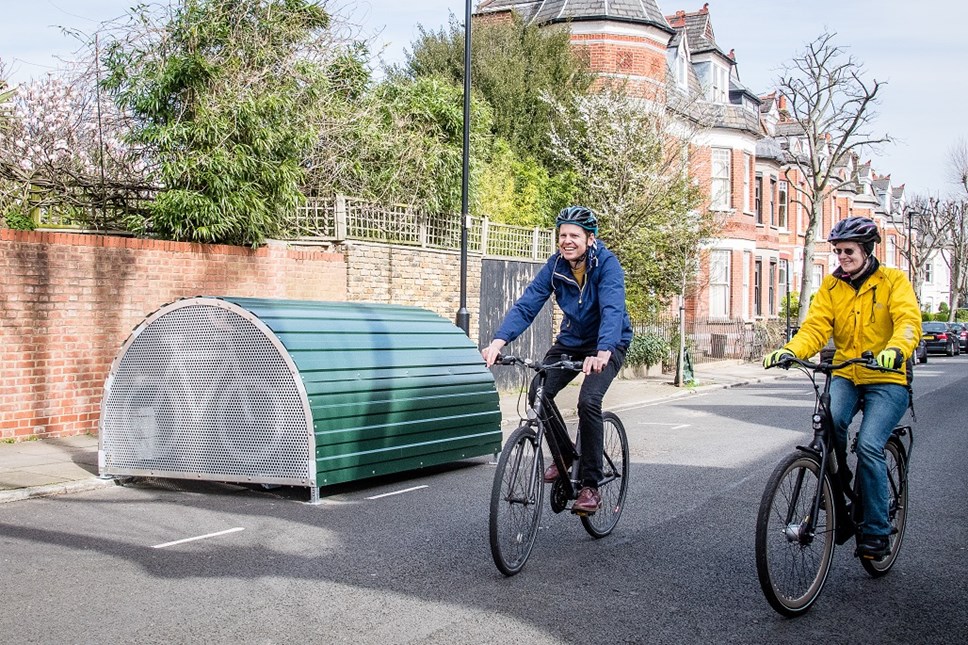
[
  {"x": 615, "y": 467},
  {"x": 516, "y": 499},
  {"x": 794, "y": 550},
  {"x": 897, "y": 499}
]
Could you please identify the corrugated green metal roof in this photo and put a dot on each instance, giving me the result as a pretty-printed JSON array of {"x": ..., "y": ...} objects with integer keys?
[{"x": 390, "y": 387}]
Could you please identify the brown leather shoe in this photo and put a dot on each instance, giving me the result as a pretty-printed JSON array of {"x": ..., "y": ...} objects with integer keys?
[
  {"x": 551, "y": 472},
  {"x": 589, "y": 501}
]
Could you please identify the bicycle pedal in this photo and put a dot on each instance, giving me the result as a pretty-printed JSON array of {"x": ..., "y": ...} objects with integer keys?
[
  {"x": 869, "y": 556},
  {"x": 581, "y": 513}
]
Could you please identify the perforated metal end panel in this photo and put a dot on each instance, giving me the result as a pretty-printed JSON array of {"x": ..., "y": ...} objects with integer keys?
[{"x": 203, "y": 389}]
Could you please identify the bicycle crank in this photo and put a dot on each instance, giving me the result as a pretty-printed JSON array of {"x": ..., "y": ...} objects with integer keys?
[{"x": 559, "y": 495}]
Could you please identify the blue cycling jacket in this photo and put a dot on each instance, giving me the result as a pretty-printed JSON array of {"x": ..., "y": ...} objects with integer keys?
[{"x": 593, "y": 314}]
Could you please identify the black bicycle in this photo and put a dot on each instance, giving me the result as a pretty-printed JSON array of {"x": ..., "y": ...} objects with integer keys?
[
  {"x": 517, "y": 495},
  {"x": 809, "y": 505}
]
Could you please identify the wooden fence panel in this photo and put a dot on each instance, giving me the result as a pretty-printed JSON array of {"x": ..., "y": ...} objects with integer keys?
[{"x": 502, "y": 283}]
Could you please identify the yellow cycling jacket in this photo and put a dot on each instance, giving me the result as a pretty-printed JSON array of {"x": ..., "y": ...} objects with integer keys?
[{"x": 883, "y": 313}]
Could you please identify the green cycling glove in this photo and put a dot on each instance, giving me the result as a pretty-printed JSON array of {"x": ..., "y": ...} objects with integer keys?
[
  {"x": 772, "y": 359},
  {"x": 891, "y": 358}
]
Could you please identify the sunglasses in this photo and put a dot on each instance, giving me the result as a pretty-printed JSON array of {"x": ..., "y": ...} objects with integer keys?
[{"x": 847, "y": 252}]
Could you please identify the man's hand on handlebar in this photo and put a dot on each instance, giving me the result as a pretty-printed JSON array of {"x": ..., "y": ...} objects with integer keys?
[
  {"x": 596, "y": 363},
  {"x": 492, "y": 351}
]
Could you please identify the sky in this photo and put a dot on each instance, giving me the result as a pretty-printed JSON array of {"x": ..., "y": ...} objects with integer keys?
[{"x": 917, "y": 48}]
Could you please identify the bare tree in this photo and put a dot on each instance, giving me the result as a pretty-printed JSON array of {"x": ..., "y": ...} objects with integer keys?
[
  {"x": 956, "y": 230},
  {"x": 922, "y": 227},
  {"x": 631, "y": 156},
  {"x": 832, "y": 102},
  {"x": 954, "y": 214},
  {"x": 958, "y": 163}
]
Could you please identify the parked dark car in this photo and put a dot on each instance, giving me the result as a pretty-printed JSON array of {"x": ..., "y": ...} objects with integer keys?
[
  {"x": 961, "y": 332},
  {"x": 921, "y": 352},
  {"x": 939, "y": 338}
]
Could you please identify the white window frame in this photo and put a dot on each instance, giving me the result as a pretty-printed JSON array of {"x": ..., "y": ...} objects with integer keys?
[
  {"x": 747, "y": 171},
  {"x": 682, "y": 67},
  {"x": 746, "y": 285},
  {"x": 719, "y": 283},
  {"x": 721, "y": 179},
  {"x": 783, "y": 204},
  {"x": 719, "y": 84},
  {"x": 771, "y": 289}
]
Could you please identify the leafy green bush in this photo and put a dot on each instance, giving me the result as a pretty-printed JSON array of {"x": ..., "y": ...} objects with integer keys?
[
  {"x": 225, "y": 98},
  {"x": 17, "y": 220},
  {"x": 646, "y": 349},
  {"x": 794, "y": 305}
]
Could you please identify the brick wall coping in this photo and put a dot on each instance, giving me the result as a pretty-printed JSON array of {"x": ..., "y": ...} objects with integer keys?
[{"x": 135, "y": 243}]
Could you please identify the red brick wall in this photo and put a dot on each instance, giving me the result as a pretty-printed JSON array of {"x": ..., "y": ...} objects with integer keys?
[
  {"x": 68, "y": 302},
  {"x": 625, "y": 55},
  {"x": 700, "y": 170}
]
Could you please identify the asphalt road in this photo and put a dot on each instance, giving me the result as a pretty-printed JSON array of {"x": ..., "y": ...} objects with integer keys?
[{"x": 414, "y": 566}]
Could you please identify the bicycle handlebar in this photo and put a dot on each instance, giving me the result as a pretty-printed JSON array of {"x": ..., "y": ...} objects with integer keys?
[
  {"x": 866, "y": 359},
  {"x": 564, "y": 363}
]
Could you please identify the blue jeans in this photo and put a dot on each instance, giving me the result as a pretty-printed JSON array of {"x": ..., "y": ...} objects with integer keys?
[
  {"x": 590, "y": 397},
  {"x": 884, "y": 405}
]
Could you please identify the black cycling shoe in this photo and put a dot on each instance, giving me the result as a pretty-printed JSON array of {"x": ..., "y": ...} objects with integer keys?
[{"x": 873, "y": 547}]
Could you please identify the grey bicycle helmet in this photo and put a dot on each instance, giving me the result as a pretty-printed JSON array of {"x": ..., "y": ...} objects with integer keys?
[
  {"x": 580, "y": 216},
  {"x": 862, "y": 230}
]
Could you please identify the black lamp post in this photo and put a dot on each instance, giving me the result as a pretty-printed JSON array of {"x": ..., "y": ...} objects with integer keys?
[{"x": 463, "y": 316}]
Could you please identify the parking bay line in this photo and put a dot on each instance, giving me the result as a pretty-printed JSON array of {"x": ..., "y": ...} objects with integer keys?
[
  {"x": 199, "y": 537},
  {"x": 398, "y": 492}
]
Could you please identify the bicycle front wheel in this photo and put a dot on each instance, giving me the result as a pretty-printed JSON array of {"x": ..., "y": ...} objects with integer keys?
[
  {"x": 794, "y": 549},
  {"x": 615, "y": 468},
  {"x": 516, "y": 499},
  {"x": 897, "y": 500}
]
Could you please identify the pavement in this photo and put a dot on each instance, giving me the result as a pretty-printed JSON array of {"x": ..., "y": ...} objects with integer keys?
[{"x": 47, "y": 467}]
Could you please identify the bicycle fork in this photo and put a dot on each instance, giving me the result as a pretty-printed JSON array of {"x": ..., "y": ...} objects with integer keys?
[
  {"x": 529, "y": 491},
  {"x": 804, "y": 530}
]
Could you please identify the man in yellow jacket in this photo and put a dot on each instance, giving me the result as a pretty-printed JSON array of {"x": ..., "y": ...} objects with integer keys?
[{"x": 863, "y": 307}]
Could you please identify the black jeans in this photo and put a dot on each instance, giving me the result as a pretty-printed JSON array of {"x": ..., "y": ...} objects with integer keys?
[{"x": 593, "y": 388}]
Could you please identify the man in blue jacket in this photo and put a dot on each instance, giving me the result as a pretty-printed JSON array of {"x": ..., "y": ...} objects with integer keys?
[{"x": 589, "y": 286}]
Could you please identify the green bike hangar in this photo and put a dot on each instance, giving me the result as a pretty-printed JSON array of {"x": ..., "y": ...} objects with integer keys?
[{"x": 297, "y": 393}]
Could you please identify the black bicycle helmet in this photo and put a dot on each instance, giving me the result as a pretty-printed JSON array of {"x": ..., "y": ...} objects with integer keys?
[
  {"x": 862, "y": 230},
  {"x": 580, "y": 216}
]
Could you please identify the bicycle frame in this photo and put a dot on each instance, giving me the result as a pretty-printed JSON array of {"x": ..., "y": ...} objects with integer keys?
[
  {"x": 820, "y": 446},
  {"x": 549, "y": 425}
]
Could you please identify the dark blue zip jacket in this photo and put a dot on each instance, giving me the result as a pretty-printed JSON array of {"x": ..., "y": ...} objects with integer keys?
[{"x": 593, "y": 314}]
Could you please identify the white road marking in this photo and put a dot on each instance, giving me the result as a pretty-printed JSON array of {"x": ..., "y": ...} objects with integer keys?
[
  {"x": 671, "y": 426},
  {"x": 200, "y": 537},
  {"x": 397, "y": 492}
]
